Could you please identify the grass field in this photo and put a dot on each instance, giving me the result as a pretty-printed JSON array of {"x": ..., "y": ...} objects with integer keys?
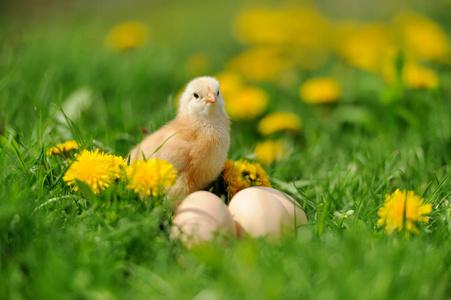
[{"x": 378, "y": 136}]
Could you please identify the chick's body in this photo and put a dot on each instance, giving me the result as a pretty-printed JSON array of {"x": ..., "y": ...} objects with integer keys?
[{"x": 196, "y": 142}]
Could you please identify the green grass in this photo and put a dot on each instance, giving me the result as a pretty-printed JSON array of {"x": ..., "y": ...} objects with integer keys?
[{"x": 57, "y": 244}]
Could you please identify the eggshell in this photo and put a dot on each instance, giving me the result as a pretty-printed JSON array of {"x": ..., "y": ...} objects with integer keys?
[
  {"x": 292, "y": 206},
  {"x": 202, "y": 216},
  {"x": 258, "y": 213}
]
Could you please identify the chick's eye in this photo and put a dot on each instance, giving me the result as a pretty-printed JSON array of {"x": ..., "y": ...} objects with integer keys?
[
  {"x": 217, "y": 94},
  {"x": 196, "y": 96}
]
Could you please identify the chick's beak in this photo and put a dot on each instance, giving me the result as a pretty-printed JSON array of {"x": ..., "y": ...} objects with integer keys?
[{"x": 211, "y": 98}]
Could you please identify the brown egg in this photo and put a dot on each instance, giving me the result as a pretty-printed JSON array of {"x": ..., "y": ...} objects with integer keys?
[
  {"x": 292, "y": 206},
  {"x": 202, "y": 216},
  {"x": 258, "y": 212}
]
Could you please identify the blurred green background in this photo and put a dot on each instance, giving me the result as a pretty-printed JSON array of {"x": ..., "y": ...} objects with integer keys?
[{"x": 387, "y": 126}]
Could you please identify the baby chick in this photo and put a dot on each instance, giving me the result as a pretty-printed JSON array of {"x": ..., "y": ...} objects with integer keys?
[{"x": 196, "y": 142}]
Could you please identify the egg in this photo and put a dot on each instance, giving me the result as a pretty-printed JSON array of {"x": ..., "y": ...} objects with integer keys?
[
  {"x": 292, "y": 206},
  {"x": 258, "y": 212},
  {"x": 202, "y": 216}
]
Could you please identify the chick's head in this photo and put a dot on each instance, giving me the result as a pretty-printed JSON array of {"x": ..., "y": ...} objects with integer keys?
[{"x": 202, "y": 97}]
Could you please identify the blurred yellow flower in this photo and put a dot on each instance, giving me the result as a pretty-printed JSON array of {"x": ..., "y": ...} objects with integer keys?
[
  {"x": 419, "y": 77},
  {"x": 421, "y": 37},
  {"x": 284, "y": 37},
  {"x": 94, "y": 168},
  {"x": 63, "y": 148},
  {"x": 259, "y": 63},
  {"x": 309, "y": 28},
  {"x": 403, "y": 210},
  {"x": 292, "y": 25},
  {"x": 364, "y": 45},
  {"x": 260, "y": 25},
  {"x": 118, "y": 165},
  {"x": 127, "y": 35},
  {"x": 197, "y": 64},
  {"x": 320, "y": 90},
  {"x": 230, "y": 82},
  {"x": 413, "y": 75},
  {"x": 269, "y": 151},
  {"x": 241, "y": 174},
  {"x": 151, "y": 177},
  {"x": 278, "y": 121},
  {"x": 247, "y": 103}
]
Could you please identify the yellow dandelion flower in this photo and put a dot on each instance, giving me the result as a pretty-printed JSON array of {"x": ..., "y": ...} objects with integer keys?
[
  {"x": 278, "y": 121},
  {"x": 261, "y": 63},
  {"x": 403, "y": 208},
  {"x": 63, "y": 148},
  {"x": 419, "y": 77},
  {"x": 269, "y": 151},
  {"x": 260, "y": 25},
  {"x": 294, "y": 25},
  {"x": 151, "y": 177},
  {"x": 241, "y": 174},
  {"x": 246, "y": 103},
  {"x": 95, "y": 169},
  {"x": 118, "y": 165},
  {"x": 308, "y": 28},
  {"x": 230, "y": 83},
  {"x": 364, "y": 45},
  {"x": 128, "y": 35},
  {"x": 422, "y": 37},
  {"x": 320, "y": 90},
  {"x": 296, "y": 34}
]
